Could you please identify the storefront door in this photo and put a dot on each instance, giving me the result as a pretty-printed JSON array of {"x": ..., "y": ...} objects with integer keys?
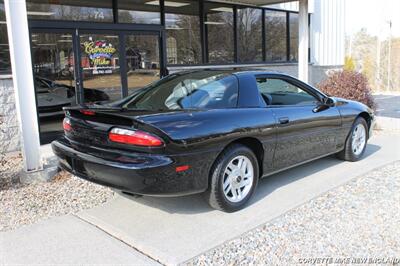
[{"x": 101, "y": 77}]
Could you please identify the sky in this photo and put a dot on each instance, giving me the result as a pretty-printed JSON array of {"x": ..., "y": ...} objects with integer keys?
[{"x": 373, "y": 15}]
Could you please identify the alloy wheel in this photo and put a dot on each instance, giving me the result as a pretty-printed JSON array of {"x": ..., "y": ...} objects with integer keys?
[
  {"x": 238, "y": 178},
  {"x": 358, "y": 139}
]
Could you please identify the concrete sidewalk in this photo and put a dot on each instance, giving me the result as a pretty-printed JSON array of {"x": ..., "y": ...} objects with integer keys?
[
  {"x": 66, "y": 240},
  {"x": 173, "y": 230}
]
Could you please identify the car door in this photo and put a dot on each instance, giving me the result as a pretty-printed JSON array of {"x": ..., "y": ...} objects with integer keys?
[{"x": 304, "y": 129}]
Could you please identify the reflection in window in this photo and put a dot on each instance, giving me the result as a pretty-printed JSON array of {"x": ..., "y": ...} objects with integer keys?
[
  {"x": 142, "y": 60},
  {"x": 5, "y": 66},
  {"x": 182, "y": 24},
  {"x": 249, "y": 33},
  {"x": 275, "y": 35},
  {"x": 53, "y": 57},
  {"x": 139, "y": 11},
  {"x": 89, "y": 10},
  {"x": 294, "y": 36},
  {"x": 172, "y": 54},
  {"x": 219, "y": 29},
  {"x": 53, "y": 68}
]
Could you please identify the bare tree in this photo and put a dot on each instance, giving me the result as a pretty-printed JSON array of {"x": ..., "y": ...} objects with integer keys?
[{"x": 250, "y": 38}]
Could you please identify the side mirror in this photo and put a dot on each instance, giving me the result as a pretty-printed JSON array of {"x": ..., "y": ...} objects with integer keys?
[
  {"x": 329, "y": 101},
  {"x": 326, "y": 104}
]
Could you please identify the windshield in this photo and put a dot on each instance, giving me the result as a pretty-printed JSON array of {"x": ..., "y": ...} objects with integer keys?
[{"x": 195, "y": 90}]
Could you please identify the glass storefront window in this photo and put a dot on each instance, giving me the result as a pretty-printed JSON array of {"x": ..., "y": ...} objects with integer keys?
[
  {"x": 88, "y": 10},
  {"x": 100, "y": 67},
  {"x": 275, "y": 36},
  {"x": 139, "y": 11},
  {"x": 142, "y": 60},
  {"x": 294, "y": 36},
  {"x": 249, "y": 35},
  {"x": 5, "y": 65},
  {"x": 53, "y": 68},
  {"x": 183, "y": 32},
  {"x": 219, "y": 19}
]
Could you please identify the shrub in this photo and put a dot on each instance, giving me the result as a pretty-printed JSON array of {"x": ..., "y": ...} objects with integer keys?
[{"x": 349, "y": 85}]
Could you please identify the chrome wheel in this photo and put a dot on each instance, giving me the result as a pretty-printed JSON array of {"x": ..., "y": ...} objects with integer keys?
[
  {"x": 238, "y": 178},
  {"x": 358, "y": 139}
]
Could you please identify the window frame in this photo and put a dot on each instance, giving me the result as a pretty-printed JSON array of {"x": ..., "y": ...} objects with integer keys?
[{"x": 236, "y": 61}]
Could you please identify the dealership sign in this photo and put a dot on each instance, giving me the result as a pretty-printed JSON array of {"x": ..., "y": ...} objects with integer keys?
[{"x": 100, "y": 55}]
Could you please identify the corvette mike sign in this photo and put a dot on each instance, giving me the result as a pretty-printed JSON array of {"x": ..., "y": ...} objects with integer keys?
[{"x": 100, "y": 55}]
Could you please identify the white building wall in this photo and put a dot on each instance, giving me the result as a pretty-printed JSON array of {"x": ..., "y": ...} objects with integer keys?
[{"x": 328, "y": 33}]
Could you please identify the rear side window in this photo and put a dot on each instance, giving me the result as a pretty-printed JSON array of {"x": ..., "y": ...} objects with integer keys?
[
  {"x": 276, "y": 91},
  {"x": 203, "y": 90}
]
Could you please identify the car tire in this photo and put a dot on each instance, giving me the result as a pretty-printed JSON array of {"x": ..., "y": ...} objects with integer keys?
[
  {"x": 356, "y": 141},
  {"x": 239, "y": 185}
]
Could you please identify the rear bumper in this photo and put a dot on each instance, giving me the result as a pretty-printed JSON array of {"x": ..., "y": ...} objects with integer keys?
[{"x": 143, "y": 174}]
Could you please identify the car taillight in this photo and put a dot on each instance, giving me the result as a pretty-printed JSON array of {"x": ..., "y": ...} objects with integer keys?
[
  {"x": 67, "y": 124},
  {"x": 134, "y": 137},
  {"x": 87, "y": 112}
]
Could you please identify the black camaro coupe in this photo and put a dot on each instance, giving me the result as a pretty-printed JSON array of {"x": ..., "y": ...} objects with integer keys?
[{"x": 215, "y": 132}]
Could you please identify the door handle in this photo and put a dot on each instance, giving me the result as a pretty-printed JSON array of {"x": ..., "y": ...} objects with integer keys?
[{"x": 283, "y": 120}]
